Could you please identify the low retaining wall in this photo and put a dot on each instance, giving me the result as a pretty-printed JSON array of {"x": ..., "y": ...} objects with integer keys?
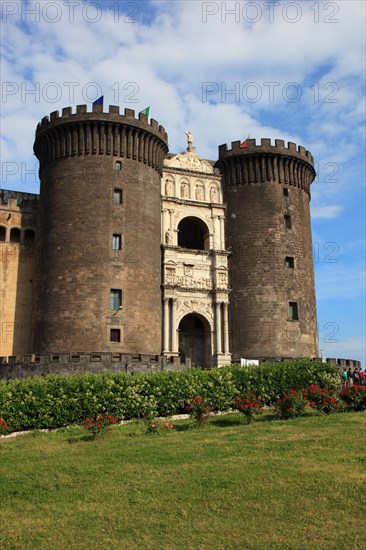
[
  {"x": 86, "y": 363},
  {"x": 95, "y": 363}
]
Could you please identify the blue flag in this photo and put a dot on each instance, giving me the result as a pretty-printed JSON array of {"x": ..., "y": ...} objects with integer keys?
[{"x": 99, "y": 101}]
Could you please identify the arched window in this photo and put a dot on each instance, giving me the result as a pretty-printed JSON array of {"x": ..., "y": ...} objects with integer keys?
[
  {"x": 193, "y": 233},
  {"x": 29, "y": 237},
  {"x": 2, "y": 233},
  {"x": 15, "y": 235}
]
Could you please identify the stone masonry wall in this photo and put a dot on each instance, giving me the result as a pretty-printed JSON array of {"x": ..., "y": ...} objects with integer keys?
[
  {"x": 77, "y": 265},
  {"x": 254, "y": 179}
]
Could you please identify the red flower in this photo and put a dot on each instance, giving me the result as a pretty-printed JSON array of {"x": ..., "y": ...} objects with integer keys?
[{"x": 198, "y": 399}]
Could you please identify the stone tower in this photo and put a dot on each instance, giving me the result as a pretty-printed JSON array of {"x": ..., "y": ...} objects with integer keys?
[
  {"x": 272, "y": 305},
  {"x": 98, "y": 246}
]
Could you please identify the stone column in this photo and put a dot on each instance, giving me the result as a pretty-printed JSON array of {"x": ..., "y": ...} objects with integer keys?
[
  {"x": 218, "y": 327},
  {"x": 212, "y": 339},
  {"x": 166, "y": 326},
  {"x": 174, "y": 327},
  {"x": 171, "y": 212},
  {"x": 226, "y": 328},
  {"x": 222, "y": 233},
  {"x": 163, "y": 224},
  {"x": 216, "y": 232}
]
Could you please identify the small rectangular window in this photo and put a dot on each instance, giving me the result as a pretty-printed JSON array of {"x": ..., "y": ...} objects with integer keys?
[
  {"x": 285, "y": 192},
  {"x": 117, "y": 196},
  {"x": 115, "y": 299},
  {"x": 287, "y": 219},
  {"x": 115, "y": 335},
  {"x": 116, "y": 241},
  {"x": 290, "y": 262},
  {"x": 293, "y": 311},
  {"x": 118, "y": 165}
]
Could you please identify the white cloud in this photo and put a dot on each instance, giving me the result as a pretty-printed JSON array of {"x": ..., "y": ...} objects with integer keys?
[{"x": 326, "y": 212}]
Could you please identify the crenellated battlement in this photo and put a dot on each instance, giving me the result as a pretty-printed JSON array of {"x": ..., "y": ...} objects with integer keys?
[
  {"x": 287, "y": 165},
  {"x": 96, "y": 114},
  {"x": 266, "y": 147},
  {"x": 18, "y": 198},
  {"x": 95, "y": 132}
]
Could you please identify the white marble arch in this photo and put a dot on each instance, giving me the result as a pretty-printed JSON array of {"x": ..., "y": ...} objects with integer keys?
[
  {"x": 182, "y": 214},
  {"x": 197, "y": 312}
]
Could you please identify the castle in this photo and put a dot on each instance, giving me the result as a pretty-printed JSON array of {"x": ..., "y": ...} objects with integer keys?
[{"x": 132, "y": 249}]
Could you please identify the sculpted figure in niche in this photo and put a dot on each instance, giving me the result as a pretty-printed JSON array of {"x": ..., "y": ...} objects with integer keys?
[
  {"x": 199, "y": 193},
  {"x": 168, "y": 187},
  {"x": 184, "y": 191},
  {"x": 168, "y": 237},
  {"x": 213, "y": 194}
]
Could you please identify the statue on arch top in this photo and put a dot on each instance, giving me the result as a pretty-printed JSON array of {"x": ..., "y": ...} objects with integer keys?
[{"x": 190, "y": 148}]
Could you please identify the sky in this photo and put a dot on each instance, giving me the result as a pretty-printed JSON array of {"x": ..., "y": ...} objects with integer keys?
[{"x": 271, "y": 69}]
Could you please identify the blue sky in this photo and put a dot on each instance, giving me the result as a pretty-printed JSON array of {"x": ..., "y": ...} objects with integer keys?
[{"x": 286, "y": 70}]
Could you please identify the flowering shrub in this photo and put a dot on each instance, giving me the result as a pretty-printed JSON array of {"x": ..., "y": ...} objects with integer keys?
[
  {"x": 4, "y": 428},
  {"x": 354, "y": 398},
  {"x": 54, "y": 401},
  {"x": 248, "y": 405},
  {"x": 198, "y": 410},
  {"x": 100, "y": 425},
  {"x": 323, "y": 399},
  {"x": 290, "y": 404},
  {"x": 156, "y": 426}
]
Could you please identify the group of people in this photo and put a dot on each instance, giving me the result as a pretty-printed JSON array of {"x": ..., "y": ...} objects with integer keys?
[{"x": 349, "y": 377}]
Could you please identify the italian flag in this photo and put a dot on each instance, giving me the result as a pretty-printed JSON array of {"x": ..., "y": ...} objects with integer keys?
[
  {"x": 146, "y": 111},
  {"x": 244, "y": 144}
]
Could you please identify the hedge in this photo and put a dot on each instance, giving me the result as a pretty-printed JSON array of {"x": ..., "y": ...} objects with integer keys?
[{"x": 55, "y": 401}]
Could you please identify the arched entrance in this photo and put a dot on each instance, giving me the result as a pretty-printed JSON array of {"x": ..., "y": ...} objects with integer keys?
[{"x": 195, "y": 339}]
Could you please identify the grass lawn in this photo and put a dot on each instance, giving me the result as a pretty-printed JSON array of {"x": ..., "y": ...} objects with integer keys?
[{"x": 273, "y": 484}]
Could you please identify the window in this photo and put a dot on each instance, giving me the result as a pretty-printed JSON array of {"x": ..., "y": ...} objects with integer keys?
[
  {"x": 115, "y": 299},
  {"x": 285, "y": 192},
  {"x": 115, "y": 335},
  {"x": 290, "y": 262},
  {"x": 15, "y": 235},
  {"x": 293, "y": 311},
  {"x": 2, "y": 233},
  {"x": 287, "y": 219},
  {"x": 118, "y": 165},
  {"x": 116, "y": 242},
  {"x": 117, "y": 196}
]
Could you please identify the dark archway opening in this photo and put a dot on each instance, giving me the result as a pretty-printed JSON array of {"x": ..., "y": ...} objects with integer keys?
[
  {"x": 15, "y": 235},
  {"x": 193, "y": 233},
  {"x": 195, "y": 340}
]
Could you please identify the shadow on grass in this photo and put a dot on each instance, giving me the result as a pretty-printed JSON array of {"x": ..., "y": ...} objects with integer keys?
[
  {"x": 238, "y": 420},
  {"x": 183, "y": 427},
  {"x": 74, "y": 439}
]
